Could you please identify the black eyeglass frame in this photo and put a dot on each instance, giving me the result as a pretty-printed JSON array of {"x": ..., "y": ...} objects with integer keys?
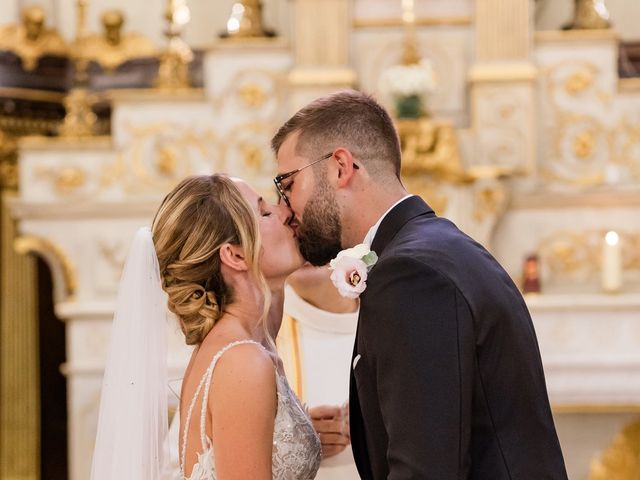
[{"x": 279, "y": 178}]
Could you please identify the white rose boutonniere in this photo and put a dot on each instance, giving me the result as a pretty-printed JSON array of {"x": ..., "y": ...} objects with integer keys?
[{"x": 350, "y": 269}]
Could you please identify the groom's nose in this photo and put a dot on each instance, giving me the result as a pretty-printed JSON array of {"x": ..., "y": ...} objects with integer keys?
[{"x": 285, "y": 213}]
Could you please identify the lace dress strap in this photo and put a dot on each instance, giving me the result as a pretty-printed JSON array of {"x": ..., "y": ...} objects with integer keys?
[{"x": 206, "y": 383}]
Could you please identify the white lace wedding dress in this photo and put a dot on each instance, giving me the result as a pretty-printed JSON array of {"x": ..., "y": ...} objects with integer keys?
[{"x": 296, "y": 446}]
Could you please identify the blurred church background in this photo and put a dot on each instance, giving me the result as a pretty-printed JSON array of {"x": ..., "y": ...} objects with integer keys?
[{"x": 519, "y": 120}]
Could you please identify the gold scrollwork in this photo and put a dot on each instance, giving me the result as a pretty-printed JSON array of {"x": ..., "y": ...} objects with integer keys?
[
  {"x": 252, "y": 95},
  {"x": 8, "y": 162},
  {"x": 578, "y": 254},
  {"x": 252, "y": 155},
  {"x": 249, "y": 144},
  {"x": 166, "y": 160},
  {"x": 254, "y": 88},
  {"x": 584, "y": 144},
  {"x": 158, "y": 156},
  {"x": 55, "y": 257},
  {"x": 489, "y": 202},
  {"x": 581, "y": 143},
  {"x": 65, "y": 180},
  {"x": 578, "y": 82},
  {"x": 621, "y": 460}
]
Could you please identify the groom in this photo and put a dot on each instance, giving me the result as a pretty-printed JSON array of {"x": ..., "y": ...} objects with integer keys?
[{"x": 446, "y": 377}]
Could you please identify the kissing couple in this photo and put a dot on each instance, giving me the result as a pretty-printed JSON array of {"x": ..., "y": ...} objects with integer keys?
[{"x": 446, "y": 375}]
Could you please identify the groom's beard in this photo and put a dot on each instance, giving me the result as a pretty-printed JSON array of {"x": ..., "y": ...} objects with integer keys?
[{"x": 321, "y": 230}]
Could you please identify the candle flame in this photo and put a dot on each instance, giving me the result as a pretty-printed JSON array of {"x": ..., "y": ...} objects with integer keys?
[{"x": 612, "y": 238}]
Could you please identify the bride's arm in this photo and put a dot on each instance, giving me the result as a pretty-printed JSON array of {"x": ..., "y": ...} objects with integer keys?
[{"x": 242, "y": 405}]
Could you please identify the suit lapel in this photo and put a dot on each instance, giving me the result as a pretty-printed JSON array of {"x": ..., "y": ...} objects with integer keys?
[{"x": 400, "y": 214}]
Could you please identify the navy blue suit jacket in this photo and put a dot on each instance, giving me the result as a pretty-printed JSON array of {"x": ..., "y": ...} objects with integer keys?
[{"x": 448, "y": 381}]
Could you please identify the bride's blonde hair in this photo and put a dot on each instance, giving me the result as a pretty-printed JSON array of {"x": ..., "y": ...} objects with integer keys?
[{"x": 194, "y": 220}]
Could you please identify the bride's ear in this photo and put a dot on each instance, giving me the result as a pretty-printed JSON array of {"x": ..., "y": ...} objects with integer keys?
[{"x": 233, "y": 257}]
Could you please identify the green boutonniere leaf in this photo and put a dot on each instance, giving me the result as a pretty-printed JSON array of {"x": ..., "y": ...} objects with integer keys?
[{"x": 370, "y": 259}]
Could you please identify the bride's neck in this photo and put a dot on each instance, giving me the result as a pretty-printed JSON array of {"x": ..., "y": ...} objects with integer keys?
[{"x": 248, "y": 309}]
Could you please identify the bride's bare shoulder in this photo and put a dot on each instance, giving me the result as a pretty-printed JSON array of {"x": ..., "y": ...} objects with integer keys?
[{"x": 245, "y": 365}]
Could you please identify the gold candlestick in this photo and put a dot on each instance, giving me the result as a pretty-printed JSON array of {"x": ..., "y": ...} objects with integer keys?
[
  {"x": 173, "y": 72},
  {"x": 410, "y": 55}
]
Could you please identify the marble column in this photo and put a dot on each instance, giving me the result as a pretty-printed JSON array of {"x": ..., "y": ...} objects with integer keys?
[
  {"x": 502, "y": 82},
  {"x": 321, "y": 43}
]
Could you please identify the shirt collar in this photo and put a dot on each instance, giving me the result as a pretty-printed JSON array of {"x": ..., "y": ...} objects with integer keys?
[{"x": 371, "y": 234}]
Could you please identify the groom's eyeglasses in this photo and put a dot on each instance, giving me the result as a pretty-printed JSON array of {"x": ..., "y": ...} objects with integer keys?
[{"x": 278, "y": 180}]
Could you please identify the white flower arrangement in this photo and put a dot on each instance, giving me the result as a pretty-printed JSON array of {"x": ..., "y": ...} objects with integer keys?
[
  {"x": 406, "y": 80},
  {"x": 350, "y": 270}
]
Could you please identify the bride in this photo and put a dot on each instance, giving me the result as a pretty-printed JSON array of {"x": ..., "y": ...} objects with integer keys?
[{"x": 223, "y": 254}]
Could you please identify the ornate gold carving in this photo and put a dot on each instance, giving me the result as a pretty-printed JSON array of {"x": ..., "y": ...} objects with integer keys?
[
  {"x": 489, "y": 201},
  {"x": 80, "y": 120},
  {"x": 252, "y": 95},
  {"x": 55, "y": 256},
  {"x": 8, "y": 162},
  {"x": 173, "y": 72},
  {"x": 578, "y": 254},
  {"x": 584, "y": 143},
  {"x": 66, "y": 180},
  {"x": 247, "y": 146},
  {"x": 252, "y": 155},
  {"x": 627, "y": 145},
  {"x": 167, "y": 160},
  {"x": 590, "y": 15},
  {"x": 112, "y": 48},
  {"x": 578, "y": 82},
  {"x": 621, "y": 460},
  {"x": 32, "y": 40},
  {"x": 158, "y": 157},
  {"x": 255, "y": 88}
]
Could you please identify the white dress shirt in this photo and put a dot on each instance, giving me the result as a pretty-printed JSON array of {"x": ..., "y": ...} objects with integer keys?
[{"x": 371, "y": 234}]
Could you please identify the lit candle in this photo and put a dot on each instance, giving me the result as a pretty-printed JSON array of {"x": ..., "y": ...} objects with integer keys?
[{"x": 611, "y": 263}]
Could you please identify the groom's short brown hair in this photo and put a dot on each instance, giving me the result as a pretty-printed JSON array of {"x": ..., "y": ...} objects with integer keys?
[{"x": 349, "y": 119}]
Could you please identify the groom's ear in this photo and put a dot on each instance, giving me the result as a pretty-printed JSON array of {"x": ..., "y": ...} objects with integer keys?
[
  {"x": 233, "y": 257},
  {"x": 344, "y": 161}
]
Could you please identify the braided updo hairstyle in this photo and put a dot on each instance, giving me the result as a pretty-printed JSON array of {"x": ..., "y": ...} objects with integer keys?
[{"x": 200, "y": 215}]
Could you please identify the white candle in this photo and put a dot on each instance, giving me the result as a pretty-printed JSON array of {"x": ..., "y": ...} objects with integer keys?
[{"x": 611, "y": 263}]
